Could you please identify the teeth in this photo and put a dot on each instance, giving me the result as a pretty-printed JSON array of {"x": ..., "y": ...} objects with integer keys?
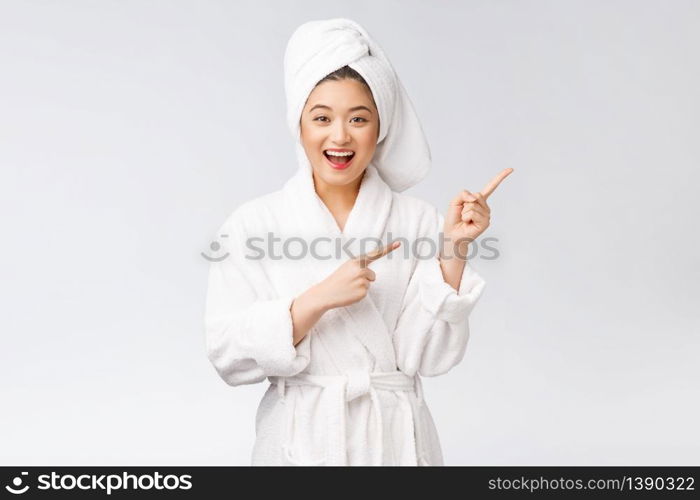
[{"x": 336, "y": 153}]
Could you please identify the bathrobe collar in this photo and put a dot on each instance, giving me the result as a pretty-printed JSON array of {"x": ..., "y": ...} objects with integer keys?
[
  {"x": 309, "y": 219},
  {"x": 368, "y": 217}
]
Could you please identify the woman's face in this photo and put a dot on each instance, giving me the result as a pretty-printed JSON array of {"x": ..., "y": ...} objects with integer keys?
[{"x": 339, "y": 116}]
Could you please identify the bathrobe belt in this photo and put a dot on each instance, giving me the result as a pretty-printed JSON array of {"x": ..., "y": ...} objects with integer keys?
[{"x": 339, "y": 389}]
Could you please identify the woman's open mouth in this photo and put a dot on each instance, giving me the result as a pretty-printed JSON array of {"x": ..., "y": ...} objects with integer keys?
[{"x": 339, "y": 159}]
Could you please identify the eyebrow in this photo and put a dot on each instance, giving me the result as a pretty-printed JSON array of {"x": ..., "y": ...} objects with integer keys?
[{"x": 355, "y": 108}]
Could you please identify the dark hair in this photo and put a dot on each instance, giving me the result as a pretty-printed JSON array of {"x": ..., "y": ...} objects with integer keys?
[{"x": 346, "y": 72}]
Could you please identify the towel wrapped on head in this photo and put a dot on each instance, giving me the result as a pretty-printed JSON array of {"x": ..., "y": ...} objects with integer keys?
[{"x": 318, "y": 48}]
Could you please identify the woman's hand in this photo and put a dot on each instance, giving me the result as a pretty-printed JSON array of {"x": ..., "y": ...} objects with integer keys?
[
  {"x": 346, "y": 285},
  {"x": 349, "y": 283},
  {"x": 468, "y": 216}
]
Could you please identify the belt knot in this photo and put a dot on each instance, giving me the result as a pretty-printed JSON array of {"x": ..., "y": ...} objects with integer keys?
[{"x": 358, "y": 383}]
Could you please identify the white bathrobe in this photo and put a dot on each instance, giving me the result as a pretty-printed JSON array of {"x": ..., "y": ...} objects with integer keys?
[{"x": 350, "y": 392}]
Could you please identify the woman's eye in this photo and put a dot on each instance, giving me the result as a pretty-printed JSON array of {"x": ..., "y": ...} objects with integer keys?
[{"x": 325, "y": 118}]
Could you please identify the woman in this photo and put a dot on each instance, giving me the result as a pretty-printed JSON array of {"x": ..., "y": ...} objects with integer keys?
[{"x": 343, "y": 339}]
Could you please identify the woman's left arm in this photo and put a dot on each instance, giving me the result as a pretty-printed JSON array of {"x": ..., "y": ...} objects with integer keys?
[
  {"x": 432, "y": 331},
  {"x": 467, "y": 217}
]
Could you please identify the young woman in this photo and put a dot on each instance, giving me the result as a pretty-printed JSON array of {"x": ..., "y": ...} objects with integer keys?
[{"x": 337, "y": 288}]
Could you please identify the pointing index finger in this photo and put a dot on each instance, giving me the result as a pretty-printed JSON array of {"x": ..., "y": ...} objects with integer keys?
[
  {"x": 491, "y": 186},
  {"x": 370, "y": 257}
]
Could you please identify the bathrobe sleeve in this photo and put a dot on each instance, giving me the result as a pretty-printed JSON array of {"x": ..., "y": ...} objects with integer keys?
[
  {"x": 432, "y": 330},
  {"x": 248, "y": 329}
]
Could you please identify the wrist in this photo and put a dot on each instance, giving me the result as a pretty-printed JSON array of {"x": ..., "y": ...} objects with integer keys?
[
  {"x": 455, "y": 251},
  {"x": 316, "y": 300},
  {"x": 453, "y": 266}
]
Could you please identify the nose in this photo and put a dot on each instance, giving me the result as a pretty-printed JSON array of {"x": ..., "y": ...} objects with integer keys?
[{"x": 339, "y": 133}]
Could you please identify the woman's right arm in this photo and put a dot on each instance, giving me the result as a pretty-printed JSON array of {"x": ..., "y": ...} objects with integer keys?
[
  {"x": 250, "y": 332},
  {"x": 248, "y": 328},
  {"x": 346, "y": 285},
  {"x": 306, "y": 310}
]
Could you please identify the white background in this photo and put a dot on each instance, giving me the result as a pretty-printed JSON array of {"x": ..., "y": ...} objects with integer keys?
[{"x": 129, "y": 130}]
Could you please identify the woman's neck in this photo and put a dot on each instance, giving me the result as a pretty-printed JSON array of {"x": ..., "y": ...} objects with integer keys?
[{"x": 338, "y": 199}]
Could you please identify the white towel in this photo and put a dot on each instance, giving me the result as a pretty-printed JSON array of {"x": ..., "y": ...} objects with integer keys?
[{"x": 316, "y": 49}]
